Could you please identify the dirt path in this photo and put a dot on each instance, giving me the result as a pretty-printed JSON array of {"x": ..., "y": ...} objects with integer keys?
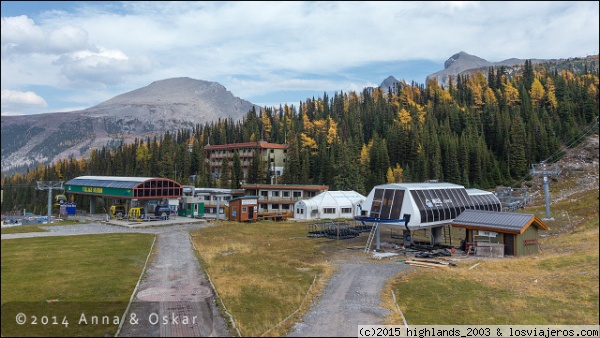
[
  {"x": 351, "y": 298},
  {"x": 174, "y": 299}
]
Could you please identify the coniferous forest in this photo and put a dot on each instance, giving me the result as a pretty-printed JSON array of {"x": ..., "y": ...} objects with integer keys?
[{"x": 481, "y": 131}]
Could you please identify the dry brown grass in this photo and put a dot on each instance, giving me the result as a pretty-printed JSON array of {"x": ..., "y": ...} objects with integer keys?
[
  {"x": 263, "y": 271},
  {"x": 557, "y": 286}
]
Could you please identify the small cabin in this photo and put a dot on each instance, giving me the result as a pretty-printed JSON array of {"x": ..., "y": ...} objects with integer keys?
[
  {"x": 500, "y": 234},
  {"x": 243, "y": 209}
]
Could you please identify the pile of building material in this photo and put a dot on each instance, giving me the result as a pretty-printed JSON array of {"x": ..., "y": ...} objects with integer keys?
[{"x": 429, "y": 263}]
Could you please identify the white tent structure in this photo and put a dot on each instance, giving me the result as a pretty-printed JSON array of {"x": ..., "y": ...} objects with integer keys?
[{"x": 330, "y": 204}]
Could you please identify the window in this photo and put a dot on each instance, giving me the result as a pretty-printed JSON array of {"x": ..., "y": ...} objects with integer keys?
[
  {"x": 285, "y": 207},
  {"x": 329, "y": 210},
  {"x": 285, "y": 193},
  {"x": 275, "y": 206},
  {"x": 263, "y": 206},
  {"x": 275, "y": 193},
  {"x": 264, "y": 193},
  {"x": 297, "y": 194},
  {"x": 243, "y": 209},
  {"x": 346, "y": 210}
]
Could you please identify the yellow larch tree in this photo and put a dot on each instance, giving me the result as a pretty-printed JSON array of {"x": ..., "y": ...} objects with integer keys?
[
  {"x": 536, "y": 93},
  {"x": 308, "y": 142},
  {"x": 511, "y": 94},
  {"x": 489, "y": 97},
  {"x": 266, "y": 121},
  {"x": 404, "y": 117},
  {"x": 332, "y": 131},
  {"x": 395, "y": 175}
]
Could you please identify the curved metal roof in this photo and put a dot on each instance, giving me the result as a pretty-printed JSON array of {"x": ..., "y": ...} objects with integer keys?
[
  {"x": 125, "y": 187},
  {"x": 108, "y": 181}
]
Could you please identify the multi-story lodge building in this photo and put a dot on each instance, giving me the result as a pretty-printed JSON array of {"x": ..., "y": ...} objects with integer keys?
[
  {"x": 272, "y": 154},
  {"x": 215, "y": 200},
  {"x": 275, "y": 199}
]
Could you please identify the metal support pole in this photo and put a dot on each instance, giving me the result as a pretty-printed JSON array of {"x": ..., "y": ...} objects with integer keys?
[
  {"x": 546, "y": 172},
  {"x": 218, "y": 206},
  {"x": 547, "y": 194},
  {"x": 378, "y": 243},
  {"x": 49, "y": 185},
  {"x": 49, "y": 203}
]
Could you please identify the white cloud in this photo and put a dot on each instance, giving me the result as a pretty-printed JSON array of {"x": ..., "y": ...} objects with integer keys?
[
  {"x": 105, "y": 67},
  {"x": 253, "y": 48},
  {"x": 13, "y": 102},
  {"x": 20, "y": 35}
]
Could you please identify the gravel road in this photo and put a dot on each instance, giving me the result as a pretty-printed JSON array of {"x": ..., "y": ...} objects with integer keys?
[
  {"x": 174, "y": 298},
  {"x": 351, "y": 298}
]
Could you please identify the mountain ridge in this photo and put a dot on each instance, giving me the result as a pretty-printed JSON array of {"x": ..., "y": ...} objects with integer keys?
[{"x": 164, "y": 105}]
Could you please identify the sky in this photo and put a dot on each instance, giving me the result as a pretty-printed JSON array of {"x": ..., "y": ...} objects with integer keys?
[{"x": 70, "y": 55}]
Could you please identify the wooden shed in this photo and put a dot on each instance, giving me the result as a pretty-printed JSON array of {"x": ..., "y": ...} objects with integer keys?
[
  {"x": 516, "y": 233},
  {"x": 243, "y": 209}
]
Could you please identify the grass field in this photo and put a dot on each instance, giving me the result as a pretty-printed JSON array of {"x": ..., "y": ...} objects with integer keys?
[
  {"x": 558, "y": 286},
  {"x": 262, "y": 271},
  {"x": 20, "y": 229},
  {"x": 93, "y": 275}
]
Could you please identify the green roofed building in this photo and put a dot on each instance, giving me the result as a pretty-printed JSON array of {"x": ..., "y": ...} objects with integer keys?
[
  {"x": 125, "y": 187},
  {"x": 142, "y": 189}
]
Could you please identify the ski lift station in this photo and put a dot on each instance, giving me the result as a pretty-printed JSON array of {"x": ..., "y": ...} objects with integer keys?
[{"x": 413, "y": 206}]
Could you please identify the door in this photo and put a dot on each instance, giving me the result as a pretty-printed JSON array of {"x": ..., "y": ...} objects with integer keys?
[
  {"x": 509, "y": 245},
  {"x": 251, "y": 212}
]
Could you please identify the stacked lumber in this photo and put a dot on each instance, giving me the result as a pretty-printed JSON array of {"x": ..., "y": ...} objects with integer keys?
[{"x": 429, "y": 263}]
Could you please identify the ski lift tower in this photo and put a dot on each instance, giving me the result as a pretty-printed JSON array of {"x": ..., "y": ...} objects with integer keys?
[
  {"x": 50, "y": 185},
  {"x": 545, "y": 170}
]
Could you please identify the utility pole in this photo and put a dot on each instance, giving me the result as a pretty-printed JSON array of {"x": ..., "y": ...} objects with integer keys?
[
  {"x": 545, "y": 170},
  {"x": 50, "y": 185}
]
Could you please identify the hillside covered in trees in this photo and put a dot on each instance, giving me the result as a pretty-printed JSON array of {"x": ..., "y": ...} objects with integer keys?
[{"x": 482, "y": 131}]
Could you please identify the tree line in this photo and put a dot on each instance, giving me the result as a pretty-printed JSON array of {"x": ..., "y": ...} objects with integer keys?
[{"x": 481, "y": 131}]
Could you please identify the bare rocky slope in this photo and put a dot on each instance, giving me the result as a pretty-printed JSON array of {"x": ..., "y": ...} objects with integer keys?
[
  {"x": 463, "y": 62},
  {"x": 166, "y": 105}
]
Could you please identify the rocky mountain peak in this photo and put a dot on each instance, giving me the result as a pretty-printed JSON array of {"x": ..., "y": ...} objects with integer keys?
[{"x": 165, "y": 105}]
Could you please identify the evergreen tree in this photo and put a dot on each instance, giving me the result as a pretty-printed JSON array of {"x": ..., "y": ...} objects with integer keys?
[
  {"x": 517, "y": 159},
  {"x": 225, "y": 173},
  {"x": 237, "y": 175}
]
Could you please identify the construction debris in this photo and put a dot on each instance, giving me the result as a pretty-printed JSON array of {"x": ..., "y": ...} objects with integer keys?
[
  {"x": 473, "y": 266},
  {"x": 429, "y": 263},
  {"x": 380, "y": 255}
]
